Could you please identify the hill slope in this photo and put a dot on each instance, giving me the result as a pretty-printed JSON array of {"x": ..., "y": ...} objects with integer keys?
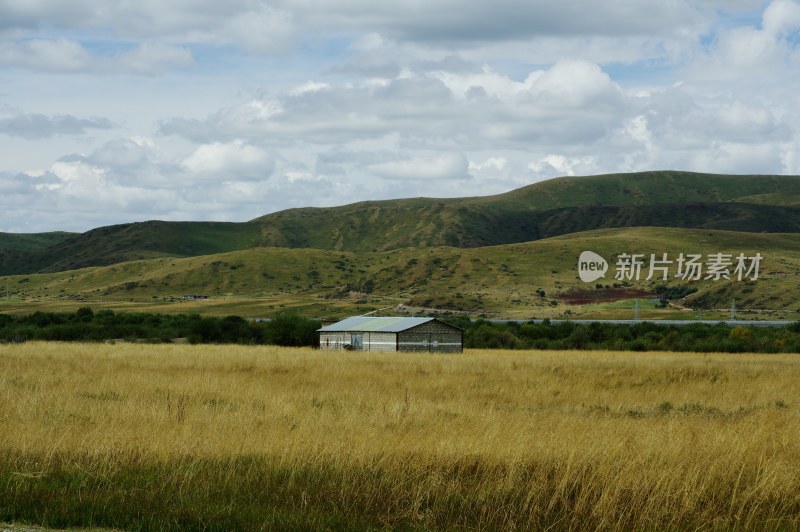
[
  {"x": 517, "y": 280},
  {"x": 31, "y": 241},
  {"x": 120, "y": 243},
  {"x": 551, "y": 208}
]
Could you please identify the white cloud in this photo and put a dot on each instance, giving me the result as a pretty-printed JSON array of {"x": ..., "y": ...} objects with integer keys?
[
  {"x": 781, "y": 17},
  {"x": 494, "y": 164},
  {"x": 38, "y": 126},
  {"x": 452, "y": 20},
  {"x": 264, "y": 30},
  {"x": 80, "y": 175},
  {"x": 60, "y": 55},
  {"x": 553, "y": 165},
  {"x": 151, "y": 58},
  {"x": 260, "y": 27},
  {"x": 748, "y": 53},
  {"x": 486, "y": 82},
  {"x": 738, "y": 158},
  {"x": 440, "y": 166},
  {"x": 573, "y": 101},
  {"x": 574, "y": 84},
  {"x": 125, "y": 153},
  {"x": 230, "y": 161},
  {"x": 280, "y": 104},
  {"x": 310, "y": 86},
  {"x": 70, "y": 56}
]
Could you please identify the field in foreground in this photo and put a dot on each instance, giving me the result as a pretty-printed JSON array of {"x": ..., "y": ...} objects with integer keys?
[{"x": 218, "y": 437}]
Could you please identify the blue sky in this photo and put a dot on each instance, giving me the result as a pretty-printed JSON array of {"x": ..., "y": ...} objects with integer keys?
[{"x": 209, "y": 110}]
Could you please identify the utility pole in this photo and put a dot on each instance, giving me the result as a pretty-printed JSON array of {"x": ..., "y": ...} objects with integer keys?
[
  {"x": 733, "y": 309},
  {"x": 636, "y": 311}
]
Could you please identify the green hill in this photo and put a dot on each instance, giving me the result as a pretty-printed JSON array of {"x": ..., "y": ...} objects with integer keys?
[
  {"x": 542, "y": 210},
  {"x": 31, "y": 241},
  {"x": 550, "y": 208},
  {"x": 120, "y": 243},
  {"x": 515, "y": 280}
]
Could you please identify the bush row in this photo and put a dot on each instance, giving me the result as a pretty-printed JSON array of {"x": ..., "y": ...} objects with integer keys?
[
  {"x": 289, "y": 329},
  {"x": 642, "y": 336},
  {"x": 84, "y": 325}
]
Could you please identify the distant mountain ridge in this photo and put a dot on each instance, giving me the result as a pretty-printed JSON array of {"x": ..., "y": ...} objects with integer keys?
[{"x": 762, "y": 203}]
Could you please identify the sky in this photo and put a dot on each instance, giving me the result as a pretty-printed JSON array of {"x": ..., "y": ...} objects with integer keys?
[{"x": 121, "y": 111}]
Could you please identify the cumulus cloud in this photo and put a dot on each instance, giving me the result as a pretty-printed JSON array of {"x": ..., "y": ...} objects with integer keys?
[
  {"x": 619, "y": 30},
  {"x": 553, "y": 165},
  {"x": 59, "y": 55},
  {"x": 231, "y": 161},
  {"x": 452, "y": 20},
  {"x": 31, "y": 15},
  {"x": 149, "y": 58},
  {"x": 492, "y": 164},
  {"x": 131, "y": 179},
  {"x": 440, "y": 166},
  {"x": 781, "y": 17},
  {"x": 269, "y": 105},
  {"x": 573, "y": 101},
  {"x": 125, "y": 153},
  {"x": 69, "y": 56},
  {"x": 436, "y": 21},
  {"x": 38, "y": 126},
  {"x": 264, "y": 30},
  {"x": 749, "y": 53}
]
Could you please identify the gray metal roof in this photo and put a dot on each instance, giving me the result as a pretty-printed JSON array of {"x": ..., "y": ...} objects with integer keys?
[{"x": 374, "y": 324}]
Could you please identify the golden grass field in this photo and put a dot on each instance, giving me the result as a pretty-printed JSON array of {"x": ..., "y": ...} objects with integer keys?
[{"x": 139, "y": 436}]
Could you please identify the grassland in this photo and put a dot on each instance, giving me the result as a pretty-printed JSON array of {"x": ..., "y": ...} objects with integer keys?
[
  {"x": 135, "y": 436},
  {"x": 535, "y": 279}
]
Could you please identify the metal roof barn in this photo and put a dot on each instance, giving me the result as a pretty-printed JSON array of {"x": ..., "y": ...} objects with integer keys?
[{"x": 367, "y": 333}]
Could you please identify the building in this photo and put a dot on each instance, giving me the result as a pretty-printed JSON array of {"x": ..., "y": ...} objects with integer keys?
[{"x": 366, "y": 333}]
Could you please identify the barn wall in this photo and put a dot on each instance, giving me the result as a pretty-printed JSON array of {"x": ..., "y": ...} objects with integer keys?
[
  {"x": 333, "y": 340},
  {"x": 371, "y": 341},
  {"x": 431, "y": 336},
  {"x": 380, "y": 341}
]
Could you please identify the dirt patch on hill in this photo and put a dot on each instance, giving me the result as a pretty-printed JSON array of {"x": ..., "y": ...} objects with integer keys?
[{"x": 602, "y": 295}]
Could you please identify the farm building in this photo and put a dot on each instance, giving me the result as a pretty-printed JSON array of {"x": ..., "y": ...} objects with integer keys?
[{"x": 363, "y": 333}]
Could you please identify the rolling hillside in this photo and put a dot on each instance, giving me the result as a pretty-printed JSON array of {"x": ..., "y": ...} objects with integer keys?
[
  {"x": 515, "y": 280},
  {"x": 542, "y": 210},
  {"x": 550, "y": 208},
  {"x": 120, "y": 243},
  {"x": 31, "y": 241}
]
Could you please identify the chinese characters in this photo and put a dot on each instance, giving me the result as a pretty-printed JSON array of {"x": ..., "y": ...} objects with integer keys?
[{"x": 689, "y": 267}]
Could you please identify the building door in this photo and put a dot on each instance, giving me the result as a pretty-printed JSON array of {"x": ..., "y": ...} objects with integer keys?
[{"x": 356, "y": 342}]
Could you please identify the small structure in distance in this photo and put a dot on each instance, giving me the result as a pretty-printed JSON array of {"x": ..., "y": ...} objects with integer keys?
[{"x": 367, "y": 333}]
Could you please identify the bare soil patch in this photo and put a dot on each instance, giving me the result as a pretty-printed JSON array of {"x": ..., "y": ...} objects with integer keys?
[{"x": 603, "y": 295}]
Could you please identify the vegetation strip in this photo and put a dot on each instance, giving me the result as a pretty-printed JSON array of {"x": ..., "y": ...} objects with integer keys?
[
  {"x": 289, "y": 329},
  {"x": 84, "y": 325}
]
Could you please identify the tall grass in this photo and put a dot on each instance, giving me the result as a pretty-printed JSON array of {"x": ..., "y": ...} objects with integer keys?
[{"x": 221, "y": 437}]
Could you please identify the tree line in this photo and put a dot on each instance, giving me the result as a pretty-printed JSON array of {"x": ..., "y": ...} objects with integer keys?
[
  {"x": 85, "y": 325},
  {"x": 290, "y": 329},
  {"x": 643, "y": 336}
]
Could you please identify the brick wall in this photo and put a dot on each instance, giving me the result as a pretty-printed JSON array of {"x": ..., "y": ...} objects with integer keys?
[{"x": 431, "y": 336}]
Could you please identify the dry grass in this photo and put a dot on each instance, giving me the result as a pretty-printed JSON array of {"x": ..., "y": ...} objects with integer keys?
[{"x": 261, "y": 437}]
